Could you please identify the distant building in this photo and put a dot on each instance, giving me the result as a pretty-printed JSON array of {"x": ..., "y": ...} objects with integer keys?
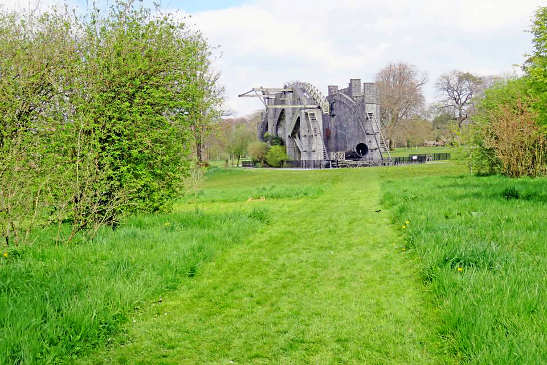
[{"x": 342, "y": 126}]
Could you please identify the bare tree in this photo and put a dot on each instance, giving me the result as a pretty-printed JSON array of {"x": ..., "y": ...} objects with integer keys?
[
  {"x": 401, "y": 96},
  {"x": 457, "y": 90}
]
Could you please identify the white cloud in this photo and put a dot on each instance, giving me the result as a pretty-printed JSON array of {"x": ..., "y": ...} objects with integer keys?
[
  {"x": 327, "y": 42},
  {"x": 270, "y": 42}
]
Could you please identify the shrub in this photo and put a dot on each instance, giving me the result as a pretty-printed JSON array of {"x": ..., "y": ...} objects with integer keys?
[
  {"x": 508, "y": 138},
  {"x": 276, "y": 156},
  {"x": 511, "y": 193},
  {"x": 97, "y": 114},
  {"x": 257, "y": 151}
]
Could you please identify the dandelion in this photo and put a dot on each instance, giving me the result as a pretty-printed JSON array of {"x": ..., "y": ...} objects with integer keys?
[
  {"x": 5, "y": 254},
  {"x": 407, "y": 222},
  {"x": 403, "y": 227},
  {"x": 460, "y": 269}
]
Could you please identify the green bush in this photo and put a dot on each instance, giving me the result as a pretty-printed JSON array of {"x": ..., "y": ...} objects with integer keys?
[
  {"x": 276, "y": 156},
  {"x": 510, "y": 133},
  {"x": 257, "y": 151},
  {"x": 98, "y": 114}
]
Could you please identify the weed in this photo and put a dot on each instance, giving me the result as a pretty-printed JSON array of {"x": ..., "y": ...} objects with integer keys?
[{"x": 510, "y": 193}]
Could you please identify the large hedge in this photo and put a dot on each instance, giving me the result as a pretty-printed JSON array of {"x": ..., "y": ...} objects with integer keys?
[
  {"x": 98, "y": 114},
  {"x": 510, "y": 133}
]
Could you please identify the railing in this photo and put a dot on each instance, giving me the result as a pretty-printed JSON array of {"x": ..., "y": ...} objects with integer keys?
[
  {"x": 441, "y": 156},
  {"x": 420, "y": 158}
]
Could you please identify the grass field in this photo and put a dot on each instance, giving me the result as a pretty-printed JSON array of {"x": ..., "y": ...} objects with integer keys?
[{"x": 277, "y": 266}]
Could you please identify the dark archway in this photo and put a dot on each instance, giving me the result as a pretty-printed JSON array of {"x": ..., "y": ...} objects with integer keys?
[{"x": 361, "y": 149}]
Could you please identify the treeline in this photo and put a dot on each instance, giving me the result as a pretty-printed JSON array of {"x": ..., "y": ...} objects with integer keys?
[
  {"x": 503, "y": 120},
  {"x": 100, "y": 115}
]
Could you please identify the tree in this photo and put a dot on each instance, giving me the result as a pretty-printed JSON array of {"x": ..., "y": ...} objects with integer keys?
[
  {"x": 457, "y": 90},
  {"x": 240, "y": 135},
  {"x": 205, "y": 109},
  {"x": 401, "y": 96},
  {"x": 536, "y": 65}
]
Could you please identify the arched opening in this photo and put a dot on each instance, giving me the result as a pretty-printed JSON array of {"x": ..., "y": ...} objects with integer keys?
[
  {"x": 280, "y": 125},
  {"x": 361, "y": 149}
]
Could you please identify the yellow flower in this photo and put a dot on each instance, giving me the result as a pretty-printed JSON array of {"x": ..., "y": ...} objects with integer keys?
[
  {"x": 407, "y": 222},
  {"x": 5, "y": 254},
  {"x": 460, "y": 269},
  {"x": 404, "y": 249},
  {"x": 403, "y": 227}
]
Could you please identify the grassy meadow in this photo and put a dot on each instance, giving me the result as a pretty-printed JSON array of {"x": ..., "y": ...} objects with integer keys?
[{"x": 413, "y": 264}]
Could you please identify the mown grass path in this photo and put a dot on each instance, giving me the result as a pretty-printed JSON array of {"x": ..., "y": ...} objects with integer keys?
[{"x": 326, "y": 281}]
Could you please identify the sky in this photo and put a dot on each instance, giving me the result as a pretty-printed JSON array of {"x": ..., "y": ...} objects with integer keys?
[{"x": 325, "y": 42}]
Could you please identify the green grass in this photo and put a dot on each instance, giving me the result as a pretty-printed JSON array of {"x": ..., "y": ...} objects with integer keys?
[
  {"x": 481, "y": 247},
  {"x": 60, "y": 301},
  {"x": 325, "y": 281},
  {"x": 280, "y": 266}
]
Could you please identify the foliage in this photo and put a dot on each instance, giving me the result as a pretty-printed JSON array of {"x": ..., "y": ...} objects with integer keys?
[
  {"x": 273, "y": 140},
  {"x": 276, "y": 155},
  {"x": 98, "y": 114},
  {"x": 481, "y": 253},
  {"x": 412, "y": 133},
  {"x": 232, "y": 137},
  {"x": 510, "y": 135},
  {"x": 536, "y": 65},
  {"x": 515, "y": 140},
  {"x": 257, "y": 151}
]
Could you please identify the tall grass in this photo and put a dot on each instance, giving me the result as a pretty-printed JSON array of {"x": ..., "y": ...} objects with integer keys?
[
  {"x": 482, "y": 245},
  {"x": 59, "y": 301}
]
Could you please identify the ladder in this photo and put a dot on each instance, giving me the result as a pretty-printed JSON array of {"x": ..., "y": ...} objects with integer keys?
[
  {"x": 317, "y": 133},
  {"x": 381, "y": 142}
]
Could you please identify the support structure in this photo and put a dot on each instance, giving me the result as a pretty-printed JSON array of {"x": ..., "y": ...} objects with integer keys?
[{"x": 343, "y": 126}]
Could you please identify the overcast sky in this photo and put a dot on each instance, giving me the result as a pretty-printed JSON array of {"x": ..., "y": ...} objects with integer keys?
[{"x": 269, "y": 42}]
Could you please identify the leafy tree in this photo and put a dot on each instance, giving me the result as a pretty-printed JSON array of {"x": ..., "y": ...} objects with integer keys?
[
  {"x": 536, "y": 65},
  {"x": 276, "y": 156}
]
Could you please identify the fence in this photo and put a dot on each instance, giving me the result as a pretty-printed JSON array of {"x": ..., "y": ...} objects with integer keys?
[
  {"x": 422, "y": 158},
  {"x": 325, "y": 164},
  {"x": 441, "y": 156}
]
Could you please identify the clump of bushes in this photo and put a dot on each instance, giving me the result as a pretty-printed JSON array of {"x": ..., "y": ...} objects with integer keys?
[
  {"x": 508, "y": 136},
  {"x": 276, "y": 156},
  {"x": 257, "y": 151},
  {"x": 511, "y": 124},
  {"x": 97, "y": 115}
]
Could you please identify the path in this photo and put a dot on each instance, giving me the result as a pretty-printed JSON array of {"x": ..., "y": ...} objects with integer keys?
[{"x": 325, "y": 282}]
